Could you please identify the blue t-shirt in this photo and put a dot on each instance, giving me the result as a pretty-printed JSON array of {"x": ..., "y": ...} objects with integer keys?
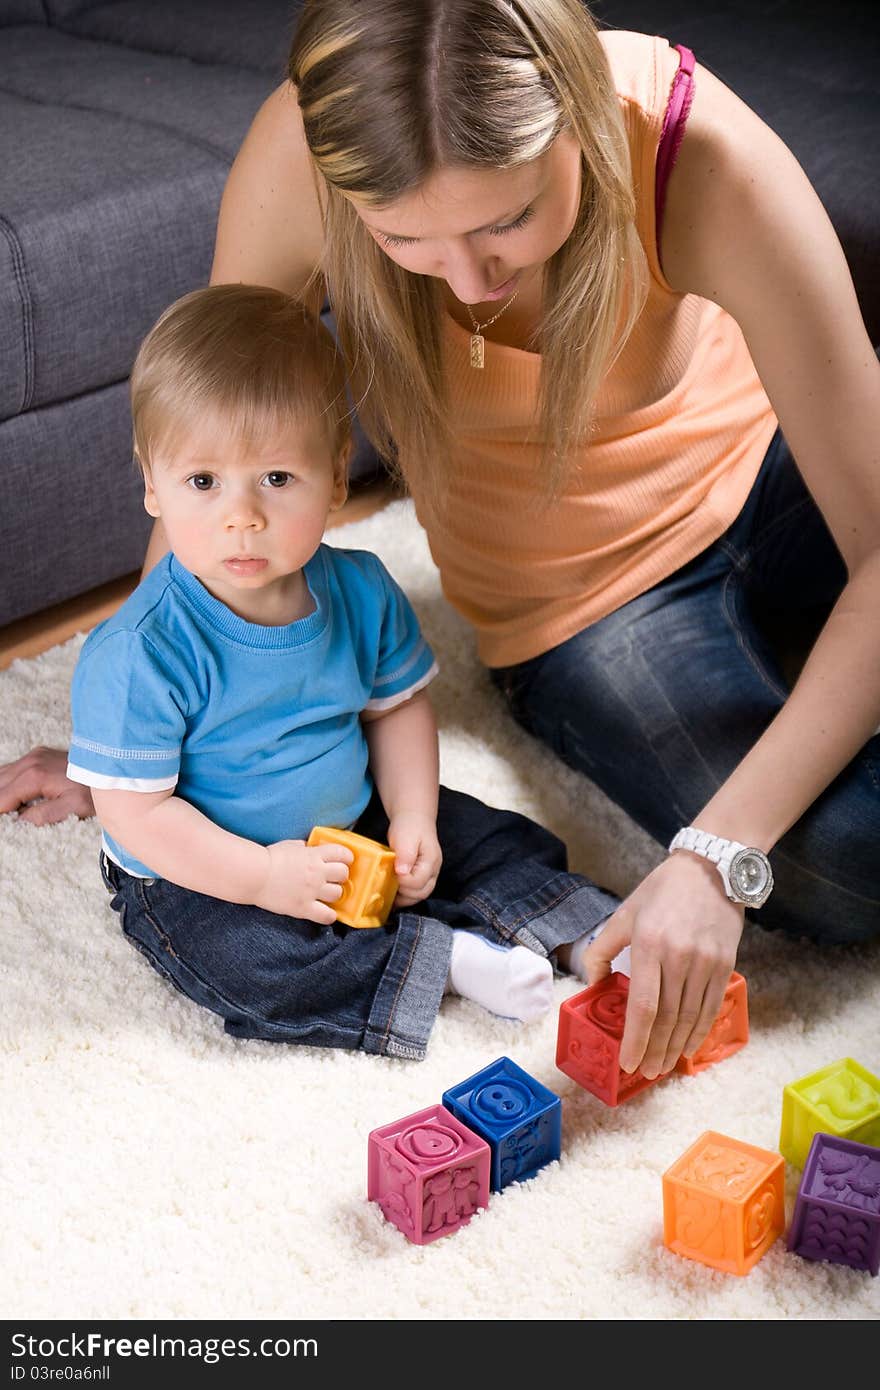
[{"x": 256, "y": 726}]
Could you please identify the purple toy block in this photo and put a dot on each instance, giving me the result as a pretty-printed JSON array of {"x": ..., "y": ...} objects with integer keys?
[
  {"x": 428, "y": 1172},
  {"x": 837, "y": 1212}
]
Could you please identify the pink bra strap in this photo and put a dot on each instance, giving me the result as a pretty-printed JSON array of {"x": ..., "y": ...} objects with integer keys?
[{"x": 680, "y": 97}]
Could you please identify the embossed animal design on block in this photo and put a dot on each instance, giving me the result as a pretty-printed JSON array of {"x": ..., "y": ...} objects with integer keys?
[
  {"x": 588, "y": 1041},
  {"x": 837, "y": 1210},
  {"x": 724, "y": 1203},
  {"x": 428, "y": 1172},
  {"x": 520, "y": 1119},
  {"x": 842, "y": 1099}
]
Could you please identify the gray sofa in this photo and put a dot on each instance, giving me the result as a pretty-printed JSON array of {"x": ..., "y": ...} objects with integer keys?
[{"x": 118, "y": 123}]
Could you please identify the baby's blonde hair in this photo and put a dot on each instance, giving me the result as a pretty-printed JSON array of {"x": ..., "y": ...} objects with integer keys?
[
  {"x": 390, "y": 91},
  {"x": 242, "y": 359}
]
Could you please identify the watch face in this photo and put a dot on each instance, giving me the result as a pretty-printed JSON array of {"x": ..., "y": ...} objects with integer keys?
[{"x": 751, "y": 876}]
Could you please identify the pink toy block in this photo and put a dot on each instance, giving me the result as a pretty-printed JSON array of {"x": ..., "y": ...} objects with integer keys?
[
  {"x": 428, "y": 1172},
  {"x": 588, "y": 1041},
  {"x": 728, "y": 1033}
]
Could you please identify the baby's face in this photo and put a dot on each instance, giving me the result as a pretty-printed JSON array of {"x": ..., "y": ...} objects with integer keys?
[{"x": 243, "y": 517}]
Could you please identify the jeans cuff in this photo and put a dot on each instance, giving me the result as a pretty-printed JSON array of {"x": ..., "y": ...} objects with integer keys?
[
  {"x": 569, "y": 906},
  {"x": 407, "y": 1001}
]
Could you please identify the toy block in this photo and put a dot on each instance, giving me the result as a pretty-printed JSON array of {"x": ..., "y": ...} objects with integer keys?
[
  {"x": 372, "y": 884},
  {"x": 724, "y": 1203},
  {"x": 842, "y": 1099},
  {"x": 728, "y": 1033},
  {"x": 588, "y": 1041},
  {"x": 520, "y": 1119},
  {"x": 428, "y": 1172},
  {"x": 837, "y": 1210}
]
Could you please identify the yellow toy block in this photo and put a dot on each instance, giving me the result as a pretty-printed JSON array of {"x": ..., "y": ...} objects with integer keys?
[
  {"x": 372, "y": 884},
  {"x": 842, "y": 1099}
]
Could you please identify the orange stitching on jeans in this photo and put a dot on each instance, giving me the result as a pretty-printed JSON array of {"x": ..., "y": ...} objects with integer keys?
[
  {"x": 403, "y": 979},
  {"x": 485, "y": 908}
]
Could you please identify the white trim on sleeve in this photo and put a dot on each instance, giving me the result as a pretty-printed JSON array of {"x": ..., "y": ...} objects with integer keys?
[
  {"x": 104, "y": 783},
  {"x": 402, "y": 695}
]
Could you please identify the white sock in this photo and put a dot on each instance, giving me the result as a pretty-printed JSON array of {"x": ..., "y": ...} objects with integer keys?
[
  {"x": 510, "y": 981},
  {"x": 579, "y": 950}
]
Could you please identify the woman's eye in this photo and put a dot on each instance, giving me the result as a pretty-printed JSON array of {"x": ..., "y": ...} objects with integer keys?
[
  {"x": 202, "y": 482},
  {"x": 278, "y": 479},
  {"x": 514, "y": 226},
  {"x": 388, "y": 240}
]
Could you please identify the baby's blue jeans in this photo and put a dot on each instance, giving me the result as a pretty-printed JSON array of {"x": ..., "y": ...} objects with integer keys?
[
  {"x": 659, "y": 702},
  {"x": 284, "y": 979}
]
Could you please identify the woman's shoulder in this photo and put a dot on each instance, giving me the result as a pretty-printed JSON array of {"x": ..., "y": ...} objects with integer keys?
[
  {"x": 642, "y": 67},
  {"x": 270, "y": 228}
]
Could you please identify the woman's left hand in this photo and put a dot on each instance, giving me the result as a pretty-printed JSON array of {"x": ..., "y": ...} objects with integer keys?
[{"x": 684, "y": 933}]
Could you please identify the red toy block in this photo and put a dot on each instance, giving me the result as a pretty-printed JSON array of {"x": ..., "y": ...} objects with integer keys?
[
  {"x": 429, "y": 1173},
  {"x": 728, "y": 1033},
  {"x": 588, "y": 1041}
]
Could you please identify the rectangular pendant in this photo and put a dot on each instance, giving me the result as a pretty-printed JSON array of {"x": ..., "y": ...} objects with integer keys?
[{"x": 478, "y": 350}]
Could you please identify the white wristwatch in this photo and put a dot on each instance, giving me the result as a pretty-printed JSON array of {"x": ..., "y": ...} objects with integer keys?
[{"x": 745, "y": 871}]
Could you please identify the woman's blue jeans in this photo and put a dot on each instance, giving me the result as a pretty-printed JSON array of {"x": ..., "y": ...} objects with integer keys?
[
  {"x": 658, "y": 702},
  {"x": 284, "y": 979}
]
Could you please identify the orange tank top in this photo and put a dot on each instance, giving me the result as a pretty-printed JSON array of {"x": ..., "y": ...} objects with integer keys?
[{"x": 682, "y": 426}]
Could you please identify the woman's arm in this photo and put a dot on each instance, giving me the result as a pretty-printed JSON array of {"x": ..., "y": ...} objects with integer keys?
[
  {"x": 743, "y": 227},
  {"x": 270, "y": 231}
]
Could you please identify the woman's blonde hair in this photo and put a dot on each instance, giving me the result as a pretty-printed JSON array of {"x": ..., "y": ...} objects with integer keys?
[
  {"x": 390, "y": 91},
  {"x": 241, "y": 360}
]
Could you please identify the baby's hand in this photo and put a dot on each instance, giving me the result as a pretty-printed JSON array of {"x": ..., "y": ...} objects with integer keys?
[
  {"x": 303, "y": 880},
  {"x": 418, "y": 856}
]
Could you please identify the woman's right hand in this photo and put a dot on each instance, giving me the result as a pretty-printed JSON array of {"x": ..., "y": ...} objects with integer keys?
[{"x": 40, "y": 777}]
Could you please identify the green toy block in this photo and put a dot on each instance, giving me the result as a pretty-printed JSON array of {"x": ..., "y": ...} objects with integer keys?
[{"x": 842, "y": 1099}]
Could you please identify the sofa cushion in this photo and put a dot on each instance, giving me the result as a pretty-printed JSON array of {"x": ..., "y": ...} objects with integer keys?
[
  {"x": 71, "y": 501},
  {"x": 22, "y": 12},
  {"x": 112, "y": 213},
  {"x": 210, "y": 31}
]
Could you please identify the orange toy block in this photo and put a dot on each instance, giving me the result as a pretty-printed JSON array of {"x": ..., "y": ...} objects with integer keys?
[
  {"x": 724, "y": 1203},
  {"x": 371, "y": 886},
  {"x": 728, "y": 1033}
]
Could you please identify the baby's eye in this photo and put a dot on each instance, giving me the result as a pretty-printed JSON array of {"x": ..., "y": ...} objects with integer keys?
[
  {"x": 201, "y": 482},
  {"x": 277, "y": 478}
]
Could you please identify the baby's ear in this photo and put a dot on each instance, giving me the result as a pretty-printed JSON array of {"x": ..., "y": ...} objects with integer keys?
[
  {"x": 341, "y": 465},
  {"x": 151, "y": 502}
]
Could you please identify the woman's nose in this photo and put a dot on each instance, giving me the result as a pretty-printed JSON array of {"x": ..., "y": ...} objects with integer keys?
[{"x": 469, "y": 275}]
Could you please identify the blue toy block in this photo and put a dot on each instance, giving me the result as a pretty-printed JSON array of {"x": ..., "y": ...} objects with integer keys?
[{"x": 520, "y": 1119}]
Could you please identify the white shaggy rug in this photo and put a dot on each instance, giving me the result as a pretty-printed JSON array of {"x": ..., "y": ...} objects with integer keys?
[{"x": 158, "y": 1169}]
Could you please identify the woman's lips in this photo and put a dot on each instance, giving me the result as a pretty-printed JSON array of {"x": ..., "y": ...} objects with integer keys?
[
  {"x": 502, "y": 290},
  {"x": 245, "y": 564}
]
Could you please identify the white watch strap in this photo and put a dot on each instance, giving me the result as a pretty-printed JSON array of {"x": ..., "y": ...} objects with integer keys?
[{"x": 711, "y": 847}]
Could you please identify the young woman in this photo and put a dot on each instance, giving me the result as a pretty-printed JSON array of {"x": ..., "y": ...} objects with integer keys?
[{"x": 592, "y": 305}]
